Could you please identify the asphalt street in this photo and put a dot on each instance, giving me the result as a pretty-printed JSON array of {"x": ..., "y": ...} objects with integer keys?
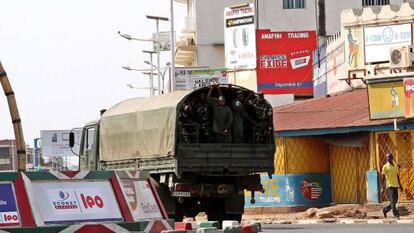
[{"x": 339, "y": 228}]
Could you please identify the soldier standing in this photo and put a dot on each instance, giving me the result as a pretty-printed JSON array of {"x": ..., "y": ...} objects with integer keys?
[
  {"x": 262, "y": 115},
  {"x": 239, "y": 115},
  {"x": 203, "y": 118},
  {"x": 222, "y": 117}
]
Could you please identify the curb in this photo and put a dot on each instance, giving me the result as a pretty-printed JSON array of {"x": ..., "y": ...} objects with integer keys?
[{"x": 343, "y": 221}]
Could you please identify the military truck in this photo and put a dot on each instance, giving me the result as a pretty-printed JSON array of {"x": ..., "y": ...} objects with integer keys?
[{"x": 161, "y": 135}]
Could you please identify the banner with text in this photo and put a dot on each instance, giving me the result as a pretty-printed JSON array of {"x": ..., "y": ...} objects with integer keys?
[
  {"x": 56, "y": 143},
  {"x": 140, "y": 199},
  {"x": 74, "y": 202},
  {"x": 293, "y": 189},
  {"x": 193, "y": 78},
  {"x": 379, "y": 40},
  {"x": 239, "y": 37},
  {"x": 8, "y": 208},
  {"x": 284, "y": 61}
]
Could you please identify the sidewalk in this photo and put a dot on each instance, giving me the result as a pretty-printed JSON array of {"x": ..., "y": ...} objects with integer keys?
[{"x": 339, "y": 214}]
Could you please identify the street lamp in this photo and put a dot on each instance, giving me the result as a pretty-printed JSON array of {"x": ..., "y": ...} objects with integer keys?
[
  {"x": 129, "y": 37},
  {"x": 167, "y": 66},
  {"x": 157, "y": 39}
]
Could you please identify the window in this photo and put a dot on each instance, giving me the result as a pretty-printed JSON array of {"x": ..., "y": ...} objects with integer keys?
[
  {"x": 4, "y": 161},
  {"x": 294, "y": 4},
  {"x": 375, "y": 2}
]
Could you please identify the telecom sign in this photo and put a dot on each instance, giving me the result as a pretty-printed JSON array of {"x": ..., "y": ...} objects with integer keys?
[
  {"x": 379, "y": 40},
  {"x": 8, "y": 207},
  {"x": 73, "y": 202}
]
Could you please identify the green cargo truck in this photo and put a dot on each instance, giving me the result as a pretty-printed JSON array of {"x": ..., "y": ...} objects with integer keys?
[{"x": 162, "y": 135}]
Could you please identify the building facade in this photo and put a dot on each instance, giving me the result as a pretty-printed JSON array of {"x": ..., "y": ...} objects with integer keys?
[
  {"x": 8, "y": 155},
  {"x": 202, "y": 41}
]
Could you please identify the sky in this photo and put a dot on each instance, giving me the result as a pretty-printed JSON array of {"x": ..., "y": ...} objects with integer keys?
[{"x": 64, "y": 58}]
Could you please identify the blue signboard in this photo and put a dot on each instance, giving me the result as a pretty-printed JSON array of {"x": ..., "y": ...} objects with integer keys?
[
  {"x": 8, "y": 208},
  {"x": 293, "y": 190}
]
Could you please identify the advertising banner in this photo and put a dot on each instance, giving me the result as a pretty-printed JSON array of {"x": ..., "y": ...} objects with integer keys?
[
  {"x": 56, "y": 142},
  {"x": 74, "y": 202},
  {"x": 8, "y": 208},
  {"x": 141, "y": 200},
  {"x": 193, "y": 78},
  {"x": 386, "y": 100},
  {"x": 379, "y": 40},
  {"x": 329, "y": 70},
  {"x": 354, "y": 48},
  {"x": 164, "y": 41},
  {"x": 409, "y": 97},
  {"x": 293, "y": 189},
  {"x": 239, "y": 37},
  {"x": 284, "y": 64}
]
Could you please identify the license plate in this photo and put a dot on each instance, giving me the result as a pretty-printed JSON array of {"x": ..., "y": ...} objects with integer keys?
[{"x": 181, "y": 194}]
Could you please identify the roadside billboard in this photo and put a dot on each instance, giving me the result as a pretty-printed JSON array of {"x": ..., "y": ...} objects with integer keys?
[
  {"x": 379, "y": 40},
  {"x": 293, "y": 189},
  {"x": 193, "y": 78},
  {"x": 164, "y": 41},
  {"x": 284, "y": 61},
  {"x": 75, "y": 202},
  {"x": 56, "y": 142},
  {"x": 409, "y": 97},
  {"x": 141, "y": 200},
  {"x": 8, "y": 208},
  {"x": 239, "y": 37},
  {"x": 386, "y": 100}
]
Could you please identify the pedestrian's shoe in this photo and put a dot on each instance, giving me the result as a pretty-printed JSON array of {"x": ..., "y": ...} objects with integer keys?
[
  {"x": 384, "y": 213},
  {"x": 397, "y": 217}
]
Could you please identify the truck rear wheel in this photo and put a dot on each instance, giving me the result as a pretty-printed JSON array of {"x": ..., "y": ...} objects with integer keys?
[{"x": 216, "y": 211}]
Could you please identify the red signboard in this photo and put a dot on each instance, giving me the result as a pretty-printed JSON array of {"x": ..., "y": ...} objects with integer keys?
[{"x": 284, "y": 61}]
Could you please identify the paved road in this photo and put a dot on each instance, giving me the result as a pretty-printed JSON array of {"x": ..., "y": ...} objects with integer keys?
[{"x": 339, "y": 228}]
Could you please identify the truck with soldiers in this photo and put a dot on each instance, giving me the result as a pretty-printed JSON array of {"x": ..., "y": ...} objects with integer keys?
[{"x": 202, "y": 148}]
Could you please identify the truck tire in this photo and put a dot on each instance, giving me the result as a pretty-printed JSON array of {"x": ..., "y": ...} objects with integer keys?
[{"x": 215, "y": 211}]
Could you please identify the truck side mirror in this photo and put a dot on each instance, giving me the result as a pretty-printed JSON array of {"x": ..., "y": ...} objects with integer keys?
[{"x": 71, "y": 139}]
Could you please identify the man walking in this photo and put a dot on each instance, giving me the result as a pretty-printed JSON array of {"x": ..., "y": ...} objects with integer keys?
[{"x": 391, "y": 178}]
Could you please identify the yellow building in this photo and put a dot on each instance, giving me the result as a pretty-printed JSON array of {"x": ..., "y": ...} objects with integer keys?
[{"x": 335, "y": 135}]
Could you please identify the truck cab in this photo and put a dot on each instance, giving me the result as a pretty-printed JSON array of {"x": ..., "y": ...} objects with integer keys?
[{"x": 89, "y": 147}]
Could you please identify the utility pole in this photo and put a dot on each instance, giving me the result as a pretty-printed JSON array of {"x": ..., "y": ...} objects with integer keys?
[
  {"x": 172, "y": 70},
  {"x": 17, "y": 122}
]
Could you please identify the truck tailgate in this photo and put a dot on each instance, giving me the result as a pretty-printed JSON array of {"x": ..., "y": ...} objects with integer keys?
[{"x": 225, "y": 159}]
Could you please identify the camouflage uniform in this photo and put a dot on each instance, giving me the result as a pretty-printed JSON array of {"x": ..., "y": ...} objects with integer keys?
[
  {"x": 262, "y": 115},
  {"x": 239, "y": 114},
  {"x": 222, "y": 120},
  {"x": 203, "y": 118}
]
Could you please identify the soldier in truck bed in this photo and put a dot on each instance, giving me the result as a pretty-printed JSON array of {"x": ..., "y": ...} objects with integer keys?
[
  {"x": 262, "y": 116},
  {"x": 222, "y": 117},
  {"x": 239, "y": 116},
  {"x": 188, "y": 127},
  {"x": 202, "y": 116}
]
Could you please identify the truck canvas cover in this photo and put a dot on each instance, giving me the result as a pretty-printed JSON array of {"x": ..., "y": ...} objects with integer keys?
[{"x": 142, "y": 128}]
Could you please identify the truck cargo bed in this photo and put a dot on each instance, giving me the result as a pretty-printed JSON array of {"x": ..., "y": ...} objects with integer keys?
[{"x": 224, "y": 159}]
